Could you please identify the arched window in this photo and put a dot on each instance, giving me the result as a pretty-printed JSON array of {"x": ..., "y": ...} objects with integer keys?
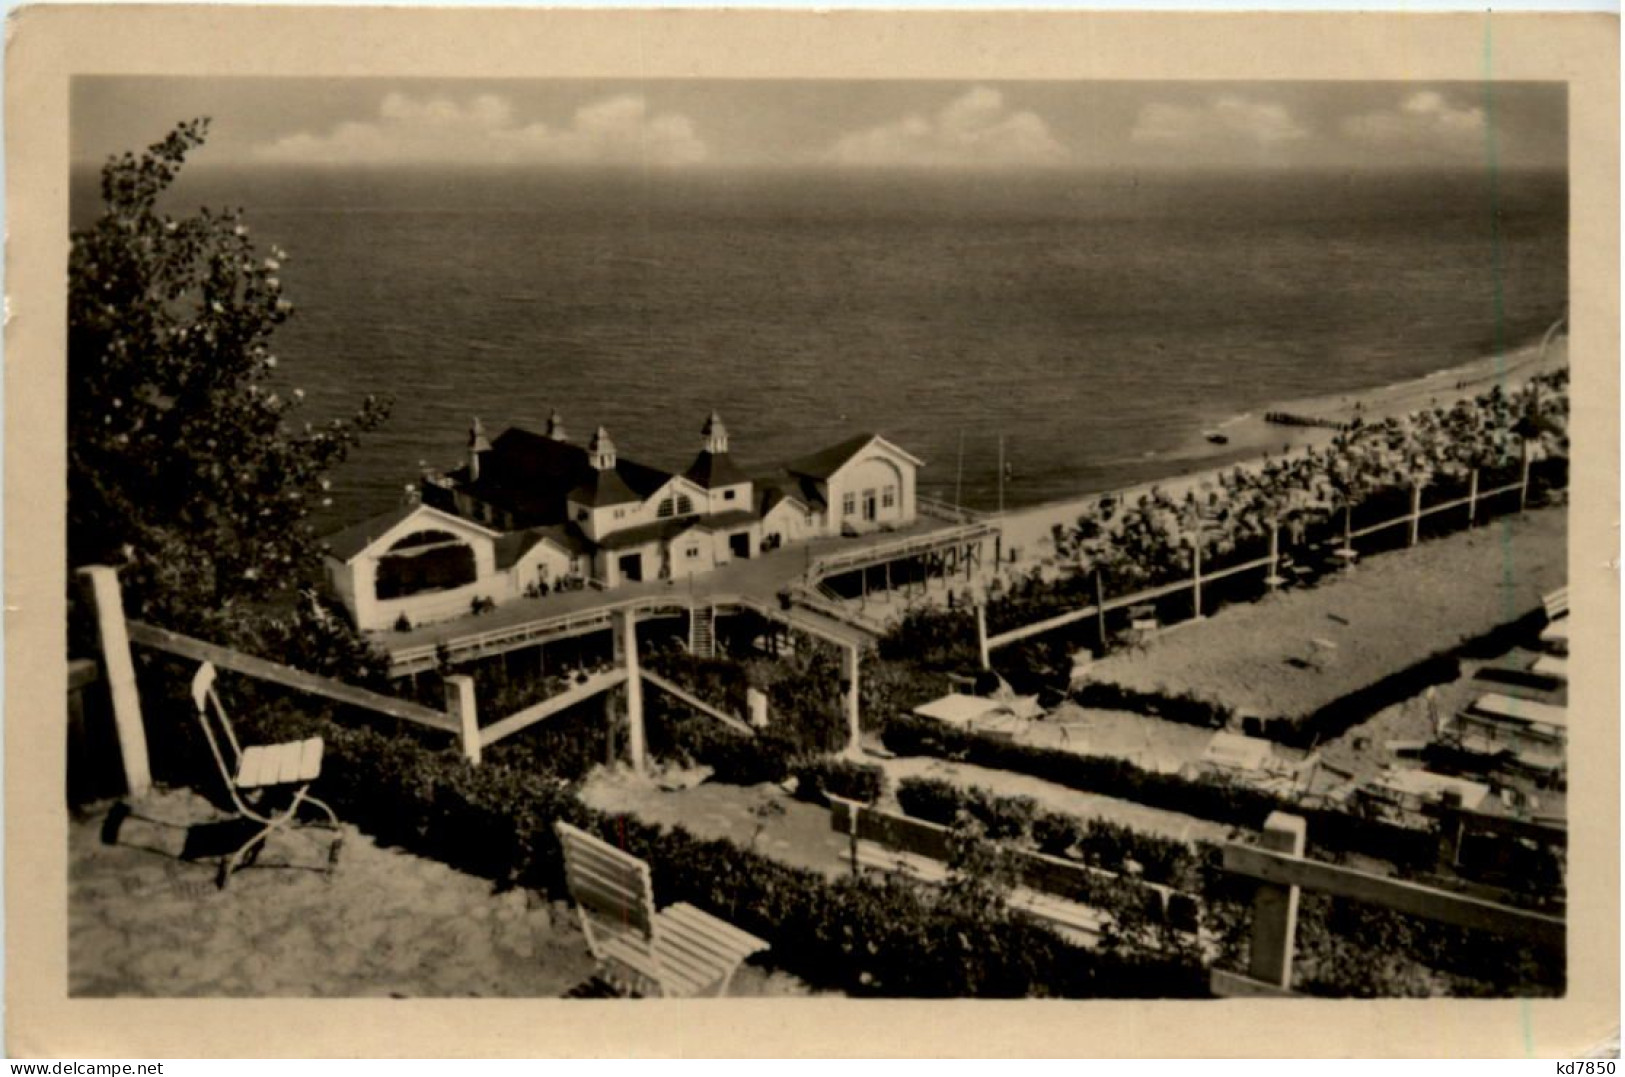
[
  {"x": 425, "y": 561},
  {"x": 667, "y": 507},
  {"x": 684, "y": 505}
]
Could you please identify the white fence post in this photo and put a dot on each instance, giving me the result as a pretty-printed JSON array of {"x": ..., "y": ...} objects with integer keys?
[
  {"x": 1275, "y": 907},
  {"x": 981, "y": 634},
  {"x": 1416, "y": 513},
  {"x": 1196, "y": 576},
  {"x": 1472, "y": 498},
  {"x": 849, "y": 674},
  {"x": 626, "y": 628},
  {"x": 1273, "y": 580},
  {"x": 1523, "y": 482},
  {"x": 101, "y": 585},
  {"x": 461, "y": 706}
]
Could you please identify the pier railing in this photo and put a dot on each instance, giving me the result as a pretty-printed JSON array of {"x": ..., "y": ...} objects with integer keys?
[{"x": 907, "y": 546}]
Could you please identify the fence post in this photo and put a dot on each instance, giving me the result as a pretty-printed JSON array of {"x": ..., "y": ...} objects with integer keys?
[
  {"x": 1523, "y": 482},
  {"x": 849, "y": 677},
  {"x": 1100, "y": 610},
  {"x": 1196, "y": 576},
  {"x": 1275, "y": 907},
  {"x": 981, "y": 634},
  {"x": 101, "y": 584},
  {"x": 1273, "y": 580},
  {"x": 460, "y": 705},
  {"x": 1472, "y": 498},
  {"x": 626, "y": 630},
  {"x": 1416, "y": 512}
]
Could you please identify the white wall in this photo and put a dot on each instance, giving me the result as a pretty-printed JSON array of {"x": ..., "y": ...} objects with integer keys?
[
  {"x": 875, "y": 469},
  {"x": 743, "y": 493}
]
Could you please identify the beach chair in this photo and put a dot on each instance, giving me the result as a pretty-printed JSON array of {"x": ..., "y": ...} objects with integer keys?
[
  {"x": 260, "y": 774},
  {"x": 677, "y": 952}
]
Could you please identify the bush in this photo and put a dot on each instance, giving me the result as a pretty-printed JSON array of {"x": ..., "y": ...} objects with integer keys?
[
  {"x": 863, "y": 937},
  {"x": 1183, "y": 707},
  {"x": 863, "y": 782},
  {"x": 1206, "y": 798}
]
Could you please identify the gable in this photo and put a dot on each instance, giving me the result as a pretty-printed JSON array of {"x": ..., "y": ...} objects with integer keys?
[{"x": 386, "y": 530}]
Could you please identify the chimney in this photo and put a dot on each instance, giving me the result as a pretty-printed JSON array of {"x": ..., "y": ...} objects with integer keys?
[{"x": 476, "y": 445}]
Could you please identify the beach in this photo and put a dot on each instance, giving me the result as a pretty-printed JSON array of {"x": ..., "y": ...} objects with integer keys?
[{"x": 1028, "y": 532}]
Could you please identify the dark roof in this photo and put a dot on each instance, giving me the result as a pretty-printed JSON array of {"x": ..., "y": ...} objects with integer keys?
[
  {"x": 515, "y": 544},
  {"x": 345, "y": 544},
  {"x": 826, "y": 462},
  {"x": 775, "y": 488},
  {"x": 643, "y": 479},
  {"x": 712, "y": 470},
  {"x": 604, "y": 488},
  {"x": 529, "y": 475},
  {"x": 637, "y": 536},
  {"x": 721, "y": 521},
  {"x": 669, "y": 529}
]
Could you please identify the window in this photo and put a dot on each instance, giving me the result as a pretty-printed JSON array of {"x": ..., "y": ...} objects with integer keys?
[
  {"x": 620, "y": 514},
  {"x": 582, "y": 515},
  {"x": 667, "y": 507},
  {"x": 888, "y": 496},
  {"x": 849, "y": 504},
  {"x": 729, "y": 496},
  {"x": 692, "y": 553},
  {"x": 684, "y": 505}
]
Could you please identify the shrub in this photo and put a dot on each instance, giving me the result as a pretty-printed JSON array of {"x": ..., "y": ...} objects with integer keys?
[
  {"x": 1206, "y": 798},
  {"x": 403, "y": 623},
  {"x": 863, "y": 782},
  {"x": 863, "y": 937},
  {"x": 1182, "y": 707}
]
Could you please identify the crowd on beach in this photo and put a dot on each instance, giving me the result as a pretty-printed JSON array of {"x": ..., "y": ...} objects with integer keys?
[{"x": 1151, "y": 538}]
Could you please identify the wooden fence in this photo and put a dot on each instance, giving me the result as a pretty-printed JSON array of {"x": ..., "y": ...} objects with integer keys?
[
  {"x": 116, "y": 635},
  {"x": 1271, "y": 563},
  {"x": 1279, "y": 864}
]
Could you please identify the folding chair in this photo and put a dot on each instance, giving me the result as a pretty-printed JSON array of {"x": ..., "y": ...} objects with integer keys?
[{"x": 253, "y": 773}]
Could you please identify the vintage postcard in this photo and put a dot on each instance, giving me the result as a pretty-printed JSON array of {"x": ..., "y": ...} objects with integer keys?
[{"x": 1061, "y": 526}]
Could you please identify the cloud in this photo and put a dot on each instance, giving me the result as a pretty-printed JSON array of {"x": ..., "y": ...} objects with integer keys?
[
  {"x": 1424, "y": 120},
  {"x": 484, "y": 130},
  {"x": 976, "y": 128},
  {"x": 1226, "y": 119}
]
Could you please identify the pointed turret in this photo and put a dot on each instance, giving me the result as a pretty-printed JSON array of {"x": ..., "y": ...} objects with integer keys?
[
  {"x": 477, "y": 444},
  {"x": 601, "y": 451},
  {"x": 715, "y": 434},
  {"x": 555, "y": 426}
]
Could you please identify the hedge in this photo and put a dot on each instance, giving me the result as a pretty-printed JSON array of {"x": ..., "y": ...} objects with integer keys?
[
  {"x": 863, "y": 782},
  {"x": 859, "y": 936},
  {"x": 1206, "y": 797},
  {"x": 1096, "y": 842}
]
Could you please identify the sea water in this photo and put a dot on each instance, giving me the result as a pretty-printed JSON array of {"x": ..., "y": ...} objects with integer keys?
[{"x": 1092, "y": 321}]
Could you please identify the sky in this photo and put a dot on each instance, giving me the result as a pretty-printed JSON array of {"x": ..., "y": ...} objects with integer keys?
[{"x": 805, "y": 124}]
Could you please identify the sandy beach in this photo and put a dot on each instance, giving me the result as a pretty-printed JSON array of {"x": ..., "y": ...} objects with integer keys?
[{"x": 1027, "y": 531}]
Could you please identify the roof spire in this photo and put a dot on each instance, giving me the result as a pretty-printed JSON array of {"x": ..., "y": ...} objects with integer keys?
[
  {"x": 555, "y": 426},
  {"x": 715, "y": 434},
  {"x": 476, "y": 445},
  {"x": 601, "y": 451}
]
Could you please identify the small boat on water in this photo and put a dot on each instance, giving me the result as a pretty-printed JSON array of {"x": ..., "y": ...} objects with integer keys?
[{"x": 1216, "y": 437}]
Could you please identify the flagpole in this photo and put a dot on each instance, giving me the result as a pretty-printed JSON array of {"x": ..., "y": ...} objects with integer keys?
[
  {"x": 959, "y": 476},
  {"x": 1001, "y": 474}
]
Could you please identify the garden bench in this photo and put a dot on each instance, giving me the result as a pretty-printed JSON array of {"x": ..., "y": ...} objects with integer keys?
[
  {"x": 1551, "y": 665},
  {"x": 678, "y": 951}
]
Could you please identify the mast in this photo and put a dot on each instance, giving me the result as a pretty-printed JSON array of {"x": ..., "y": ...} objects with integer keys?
[
  {"x": 1001, "y": 474},
  {"x": 959, "y": 475}
]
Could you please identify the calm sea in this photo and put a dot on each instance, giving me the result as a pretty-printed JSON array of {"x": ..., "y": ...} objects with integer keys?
[{"x": 1094, "y": 321}]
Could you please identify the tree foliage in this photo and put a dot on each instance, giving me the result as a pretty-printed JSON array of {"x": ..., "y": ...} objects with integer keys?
[{"x": 183, "y": 468}]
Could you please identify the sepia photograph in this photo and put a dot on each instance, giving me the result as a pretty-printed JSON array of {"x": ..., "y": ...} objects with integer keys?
[{"x": 823, "y": 538}]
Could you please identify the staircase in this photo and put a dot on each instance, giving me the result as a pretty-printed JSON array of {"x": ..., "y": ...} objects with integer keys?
[{"x": 702, "y": 631}]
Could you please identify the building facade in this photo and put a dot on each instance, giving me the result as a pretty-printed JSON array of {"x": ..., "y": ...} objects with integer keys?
[{"x": 528, "y": 513}]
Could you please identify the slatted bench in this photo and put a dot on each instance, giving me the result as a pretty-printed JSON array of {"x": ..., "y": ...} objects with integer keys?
[
  {"x": 1556, "y": 603},
  {"x": 676, "y": 952}
]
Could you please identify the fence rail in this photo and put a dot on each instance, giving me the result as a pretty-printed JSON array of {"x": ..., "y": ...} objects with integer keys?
[
  {"x": 1281, "y": 868},
  {"x": 162, "y": 639},
  {"x": 903, "y": 547},
  {"x": 1200, "y": 577}
]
